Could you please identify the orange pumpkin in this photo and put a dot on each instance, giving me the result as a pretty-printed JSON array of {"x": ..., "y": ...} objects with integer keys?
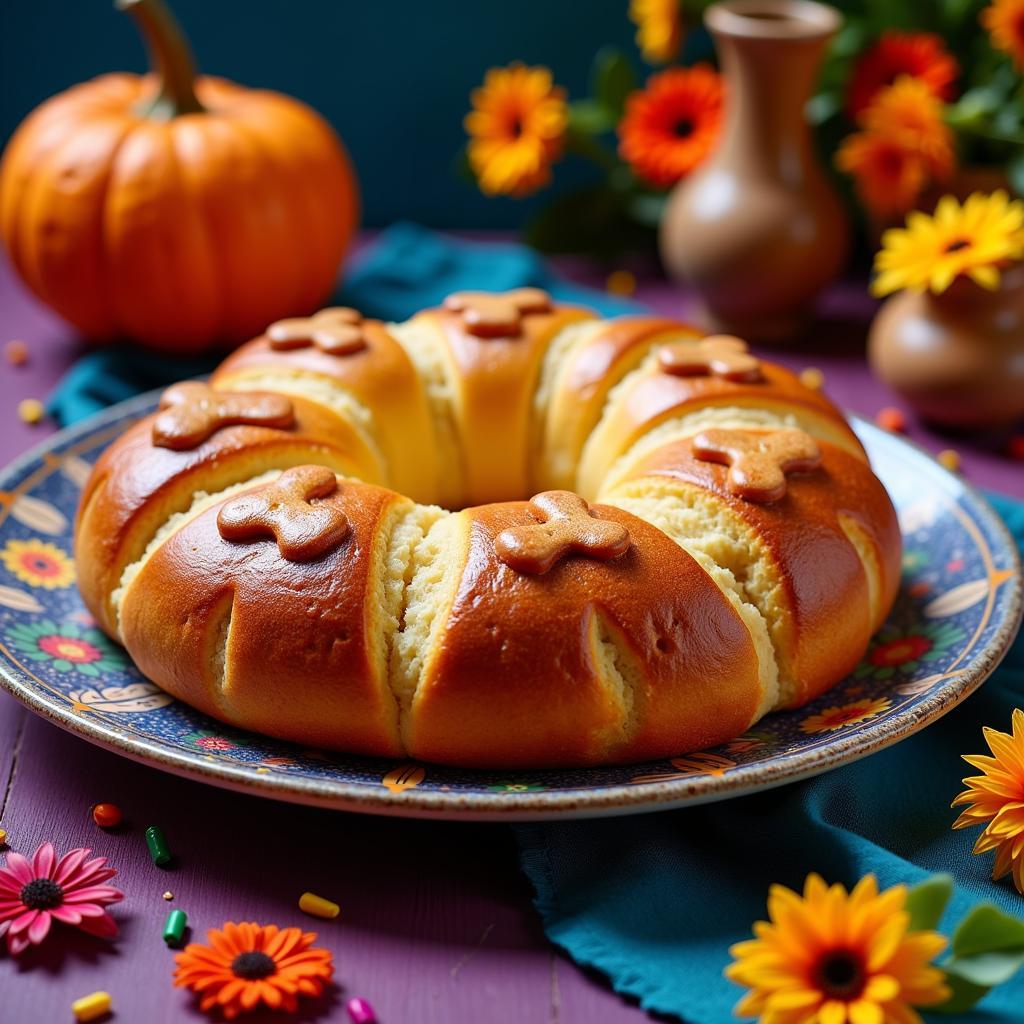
[{"x": 177, "y": 211}]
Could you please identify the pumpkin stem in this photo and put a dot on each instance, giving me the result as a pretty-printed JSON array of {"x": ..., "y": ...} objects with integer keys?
[{"x": 170, "y": 57}]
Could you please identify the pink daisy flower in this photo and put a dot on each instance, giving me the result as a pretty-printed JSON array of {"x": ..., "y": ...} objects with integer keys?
[{"x": 34, "y": 894}]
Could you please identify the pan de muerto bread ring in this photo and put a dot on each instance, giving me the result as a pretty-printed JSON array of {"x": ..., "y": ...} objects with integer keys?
[{"x": 504, "y": 533}]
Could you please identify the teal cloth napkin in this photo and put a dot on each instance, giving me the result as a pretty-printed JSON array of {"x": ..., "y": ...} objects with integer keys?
[
  {"x": 406, "y": 269},
  {"x": 654, "y": 902}
]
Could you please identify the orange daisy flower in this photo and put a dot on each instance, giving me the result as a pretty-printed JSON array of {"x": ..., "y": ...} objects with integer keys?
[
  {"x": 248, "y": 964},
  {"x": 905, "y": 145},
  {"x": 888, "y": 177},
  {"x": 1004, "y": 21},
  {"x": 670, "y": 126},
  {"x": 919, "y": 55},
  {"x": 994, "y": 800},
  {"x": 841, "y": 715},
  {"x": 908, "y": 112},
  {"x": 517, "y": 127}
]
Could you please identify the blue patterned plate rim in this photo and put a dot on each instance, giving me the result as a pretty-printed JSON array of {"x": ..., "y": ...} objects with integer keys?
[{"x": 850, "y": 731}]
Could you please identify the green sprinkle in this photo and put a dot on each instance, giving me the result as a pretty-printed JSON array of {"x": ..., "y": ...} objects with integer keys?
[
  {"x": 174, "y": 927},
  {"x": 158, "y": 849}
]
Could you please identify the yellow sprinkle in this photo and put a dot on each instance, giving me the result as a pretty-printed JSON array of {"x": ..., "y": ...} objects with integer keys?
[
  {"x": 168, "y": 895},
  {"x": 950, "y": 459},
  {"x": 3, "y": 837},
  {"x": 812, "y": 378},
  {"x": 92, "y": 1006},
  {"x": 318, "y": 906},
  {"x": 30, "y": 410},
  {"x": 621, "y": 282}
]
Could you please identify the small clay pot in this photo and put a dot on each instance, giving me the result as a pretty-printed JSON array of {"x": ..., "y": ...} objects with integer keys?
[
  {"x": 757, "y": 231},
  {"x": 957, "y": 358}
]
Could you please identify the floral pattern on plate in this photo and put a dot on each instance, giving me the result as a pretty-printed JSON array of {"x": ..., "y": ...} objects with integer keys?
[{"x": 956, "y": 614}]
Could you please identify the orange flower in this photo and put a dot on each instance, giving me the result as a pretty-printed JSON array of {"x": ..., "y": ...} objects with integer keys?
[
  {"x": 671, "y": 125},
  {"x": 905, "y": 145},
  {"x": 994, "y": 800},
  {"x": 516, "y": 128},
  {"x": 919, "y": 55},
  {"x": 1004, "y": 20},
  {"x": 889, "y": 178},
  {"x": 659, "y": 28},
  {"x": 840, "y": 715},
  {"x": 246, "y": 964}
]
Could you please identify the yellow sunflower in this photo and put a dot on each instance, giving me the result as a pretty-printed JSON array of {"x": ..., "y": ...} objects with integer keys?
[
  {"x": 659, "y": 29},
  {"x": 38, "y": 563},
  {"x": 841, "y": 715},
  {"x": 1004, "y": 21},
  {"x": 517, "y": 128},
  {"x": 832, "y": 957},
  {"x": 994, "y": 800},
  {"x": 973, "y": 240}
]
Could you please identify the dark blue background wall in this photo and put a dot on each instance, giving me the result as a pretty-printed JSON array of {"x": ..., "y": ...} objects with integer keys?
[{"x": 392, "y": 75}]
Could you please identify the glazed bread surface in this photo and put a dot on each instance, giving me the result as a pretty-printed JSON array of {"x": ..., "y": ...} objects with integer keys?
[{"x": 505, "y": 533}]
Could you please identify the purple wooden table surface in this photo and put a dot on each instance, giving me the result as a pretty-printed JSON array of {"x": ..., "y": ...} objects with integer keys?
[{"x": 437, "y": 925}]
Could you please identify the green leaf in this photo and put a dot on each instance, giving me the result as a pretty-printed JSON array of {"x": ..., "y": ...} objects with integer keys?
[
  {"x": 988, "y": 949},
  {"x": 588, "y": 117},
  {"x": 594, "y": 220},
  {"x": 986, "y": 929},
  {"x": 613, "y": 79},
  {"x": 964, "y": 995},
  {"x": 927, "y": 901},
  {"x": 1015, "y": 172},
  {"x": 987, "y": 969}
]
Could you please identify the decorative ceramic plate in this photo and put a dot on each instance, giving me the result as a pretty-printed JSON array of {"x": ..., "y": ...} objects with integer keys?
[{"x": 957, "y": 613}]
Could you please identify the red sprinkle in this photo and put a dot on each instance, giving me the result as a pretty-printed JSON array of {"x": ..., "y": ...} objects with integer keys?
[
  {"x": 1015, "y": 447},
  {"x": 107, "y": 815},
  {"x": 360, "y": 1011},
  {"x": 16, "y": 352},
  {"x": 892, "y": 419}
]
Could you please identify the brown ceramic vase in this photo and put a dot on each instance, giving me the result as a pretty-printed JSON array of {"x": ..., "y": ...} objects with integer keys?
[
  {"x": 957, "y": 358},
  {"x": 758, "y": 231}
]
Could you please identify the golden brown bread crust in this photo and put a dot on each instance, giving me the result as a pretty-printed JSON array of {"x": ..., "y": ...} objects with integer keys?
[
  {"x": 494, "y": 380},
  {"x": 589, "y": 372},
  {"x": 381, "y": 377},
  {"x": 136, "y": 486},
  {"x": 411, "y": 636},
  {"x": 657, "y": 396},
  {"x": 301, "y": 657},
  {"x": 515, "y": 682},
  {"x": 826, "y": 616}
]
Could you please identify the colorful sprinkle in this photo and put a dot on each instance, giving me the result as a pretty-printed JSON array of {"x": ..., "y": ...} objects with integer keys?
[
  {"x": 107, "y": 815},
  {"x": 3, "y": 837},
  {"x": 361, "y": 1011},
  {"x": 621, "y": 282},
  {"x": 92, "y": 1006},
  {"x": 892, "y": 419},
  {"x": 31, "y": 410},
  {"x": 318, "y": 906},
  {"x": 158, "y": 848},
  {"x": 16, "y": 352},
  {"x": 949, "y": 458},
  {"x": 168, "y": 895},
  {"x": 174, "y": 928},
  {"x": 812, "y": 378}
]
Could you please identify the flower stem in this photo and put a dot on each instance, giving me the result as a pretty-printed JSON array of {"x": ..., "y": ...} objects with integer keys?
[
  {"x": 170, "y": 57},
  {"x": 586, "y": 146}
]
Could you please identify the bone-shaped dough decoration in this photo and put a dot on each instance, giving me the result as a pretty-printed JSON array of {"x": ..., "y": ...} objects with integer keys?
[{"x": 758, "y": 461}]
